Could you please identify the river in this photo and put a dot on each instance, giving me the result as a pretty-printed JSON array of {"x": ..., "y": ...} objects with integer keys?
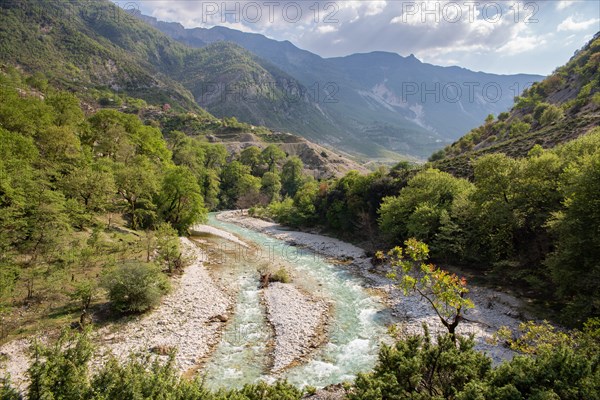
[{"x": 357, "y": 326}]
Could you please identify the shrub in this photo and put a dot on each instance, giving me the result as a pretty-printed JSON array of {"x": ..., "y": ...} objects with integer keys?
[
  {"x": 418, "y": 368},
  {"x": 518, "y": 128},
  {"x": 135, "y": 287},
  {"x": 438, "y": 155},
  {"x": 281, "y": 275},
  {"x": 83, "y": 293},
  {"x": 282, "y": 211},
  {"x": 60, "y": 371},
  {"x": 539, "y": 110},
  {"x": 551, "y": 114}
]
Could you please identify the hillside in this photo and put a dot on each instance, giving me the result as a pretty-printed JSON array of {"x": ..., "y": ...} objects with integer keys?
[
  {"x": 110, "y": 59},
  {"x": 562, "y": 107},
  {"x": 372, "y": 105},
  {"x": 92, "y": 46}
]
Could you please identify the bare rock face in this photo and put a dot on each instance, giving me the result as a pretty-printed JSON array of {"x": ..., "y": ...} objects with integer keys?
[{"x": 297, "y": 320}]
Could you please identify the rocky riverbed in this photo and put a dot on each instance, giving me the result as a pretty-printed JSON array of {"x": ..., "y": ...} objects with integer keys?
[
  {"x": 298, "y": 320},
  {"x": 492, "y": 310}
]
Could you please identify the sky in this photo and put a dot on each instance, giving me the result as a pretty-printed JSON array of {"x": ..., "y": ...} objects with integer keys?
[{"x": 504, "y": 37}]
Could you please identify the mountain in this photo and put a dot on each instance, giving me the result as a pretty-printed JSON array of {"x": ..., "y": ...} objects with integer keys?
[
  {"x": 560, "y": 108},
  {"x": 378, "y": 99},
  {"x": 110, "y": 59},
  {"x": 91, "y": 46},
  {"x": 357, "y": 104}
]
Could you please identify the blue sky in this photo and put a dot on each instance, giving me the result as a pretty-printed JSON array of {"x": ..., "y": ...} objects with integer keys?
[{"x": 493, "y": 36}]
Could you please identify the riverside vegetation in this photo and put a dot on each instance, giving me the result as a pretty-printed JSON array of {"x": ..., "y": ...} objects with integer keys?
[{"x": 92, "y": 200}]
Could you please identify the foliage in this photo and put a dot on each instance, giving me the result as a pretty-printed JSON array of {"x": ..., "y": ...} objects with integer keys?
[
  {"x": 445, "y": 292},
  {"x": 168, "y": 247},
  {"x": 281, "y": 275},
  {"x": 419, "y": 368},
  {"x": 416, "y": 367},
  {"x": 180, "y": 199},
  {"x": 135, "y": 287},
  {"x": 84, "y": 292},
  {"x": 419, "y": 209},
  {"x": 60, "y": 371}
]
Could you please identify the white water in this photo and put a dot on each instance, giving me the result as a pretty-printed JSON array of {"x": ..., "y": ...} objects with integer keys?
[{"x": 356, "y": 331}]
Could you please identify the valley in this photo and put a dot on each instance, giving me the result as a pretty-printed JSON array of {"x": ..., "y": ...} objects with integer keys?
[{"x": 207, "y": 210}]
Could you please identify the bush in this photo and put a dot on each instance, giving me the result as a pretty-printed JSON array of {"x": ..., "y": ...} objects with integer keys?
[
  {"x": 551, "y": 114},
  {"x": 438, "y": 155},
  {"x": 281, "y": 275},
  {"x": 418, "y": 368},
  {"x": 282, "y": 211},
  {"x": 135, "y": 287},
  {"x": 518, "y": 128}
]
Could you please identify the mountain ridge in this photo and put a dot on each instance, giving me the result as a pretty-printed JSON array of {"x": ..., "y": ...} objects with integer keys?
[{"x": 369, "y": 110}]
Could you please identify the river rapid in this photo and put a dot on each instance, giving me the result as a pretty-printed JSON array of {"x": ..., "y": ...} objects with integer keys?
[{"x": 357, "y": 321}]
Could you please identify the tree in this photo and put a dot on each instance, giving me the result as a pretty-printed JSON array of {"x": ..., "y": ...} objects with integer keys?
[
  {"x": 251, "y": 156},
  {"x": 137, "y": 183},
  {"x": 575, "y": 265},
  {"x": 445, "y": 292},
  {"x": 45, "y": 231},
  {"x": 180, "y": 200},
  {"x": 271, "y": 186},
  {"x": 93, "y": 185},
  {"x": 292, "y": 176},
  {"x": 249, "y": 191},
  {"x": 271, "y": 156},
  {"x": 168, "y": 247},
  {"x": 418, "y": 367},
  {"x": 67, "y": 109},
  {"x": 235, "y": 179},
  {"x": 304, "y": 202},
  {"x": 418, "y": 210}
]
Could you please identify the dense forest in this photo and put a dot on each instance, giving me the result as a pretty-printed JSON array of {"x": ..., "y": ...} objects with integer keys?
[{"x": 84, "y": 194}]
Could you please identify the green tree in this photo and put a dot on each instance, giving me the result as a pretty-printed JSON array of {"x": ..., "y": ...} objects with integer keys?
[
  {"x": 420, "y": 368},
  {"x": 419, "y": 209},
  {"x": 575, "y": 265},
  {"x": 233, "y": 176},
  {"x": 137, "y": 183},
  {"x": 67, "y": 110},
  {"x": 271, "y": 156},
  {"x": 251, "y": 156},
  {"x": 445, "y": 292},
  {"x": 93, "y": 185},
  {"x": 180, "y": 199},
  {"x": 271, "y": 186},
  {"x": 168, "y": 247},
  {"x": 304, "y": 202},
  {"x": 292, "y": 176}
]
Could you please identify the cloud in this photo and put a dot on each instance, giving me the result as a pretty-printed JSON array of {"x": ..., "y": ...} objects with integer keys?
[
  {"x": 561, "y": 5},
  {"x": 521, "y": 45},
  {"x": 570, "y": 24}
]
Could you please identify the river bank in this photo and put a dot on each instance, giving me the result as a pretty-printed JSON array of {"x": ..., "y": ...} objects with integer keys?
[
  {"x": 492, "y": 310},
  {"x": 200, "y": 308}
]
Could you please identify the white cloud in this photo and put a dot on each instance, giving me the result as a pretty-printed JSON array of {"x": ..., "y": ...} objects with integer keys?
[
  {"x": 570, "y": 24},
  {"x": 521, "y": 45},
  {"x": 561, "y": 5},
  {"x": 326, "y": 29}
]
